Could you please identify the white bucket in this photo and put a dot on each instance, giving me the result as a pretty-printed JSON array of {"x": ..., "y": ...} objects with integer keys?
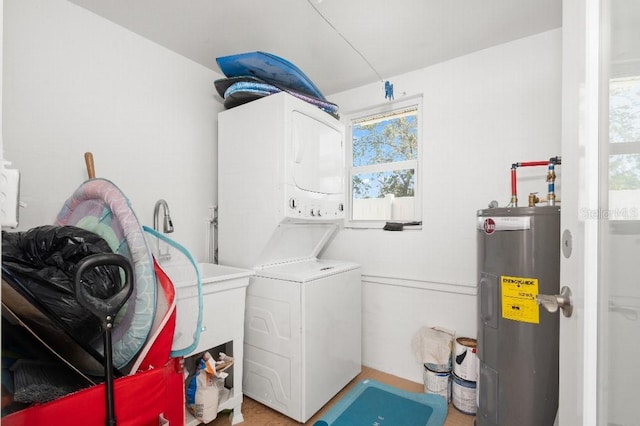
[
  {"x": 463, "y": 395},
  {"x": 437, "y": 383},
  {"x": 465, "y": 360}
]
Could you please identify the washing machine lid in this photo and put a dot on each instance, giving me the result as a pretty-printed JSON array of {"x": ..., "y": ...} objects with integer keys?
[
  {"x": 292, "y": 242},
  {"x": 306, "y": 270}
]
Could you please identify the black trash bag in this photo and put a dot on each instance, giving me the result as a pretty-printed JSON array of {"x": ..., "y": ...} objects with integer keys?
[{"x": 43, "y": 261}]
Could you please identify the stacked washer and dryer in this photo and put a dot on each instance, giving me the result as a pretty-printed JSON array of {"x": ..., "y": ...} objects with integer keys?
[{"x": 280, "y": 196}]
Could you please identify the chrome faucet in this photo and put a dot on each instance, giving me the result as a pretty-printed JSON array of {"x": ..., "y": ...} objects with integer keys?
[{"x": 167, "y": 226}]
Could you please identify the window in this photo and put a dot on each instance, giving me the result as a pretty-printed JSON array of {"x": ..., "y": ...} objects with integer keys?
[
  {"x": 624, "y": 149},
  {"x": 383, "y": 158}
]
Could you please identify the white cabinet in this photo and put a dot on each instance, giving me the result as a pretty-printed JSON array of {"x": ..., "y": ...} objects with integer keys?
[{"x": 223, "y": 291}]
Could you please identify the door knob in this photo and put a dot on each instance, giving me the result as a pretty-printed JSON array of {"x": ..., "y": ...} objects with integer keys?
[{"x": 552, "y": 302}]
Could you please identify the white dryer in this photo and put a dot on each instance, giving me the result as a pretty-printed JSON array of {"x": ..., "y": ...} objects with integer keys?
[{"x": 280, "y": 161}]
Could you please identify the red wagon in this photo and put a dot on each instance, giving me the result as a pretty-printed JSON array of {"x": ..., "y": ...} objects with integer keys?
[{"x": 150, "y": 386}]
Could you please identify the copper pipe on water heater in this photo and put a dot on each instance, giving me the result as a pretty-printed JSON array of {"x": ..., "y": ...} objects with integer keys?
[
  {"x": 533, "y": 199},
  {"x": 551, "y": 178}
]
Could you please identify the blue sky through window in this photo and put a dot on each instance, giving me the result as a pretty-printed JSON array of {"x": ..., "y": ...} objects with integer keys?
[
  {"x": 384, "y": 141},
  {"x": 387, "y": 150}
]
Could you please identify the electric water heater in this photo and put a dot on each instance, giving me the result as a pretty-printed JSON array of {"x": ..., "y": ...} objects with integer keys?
[{"x": 518, "y": 341}]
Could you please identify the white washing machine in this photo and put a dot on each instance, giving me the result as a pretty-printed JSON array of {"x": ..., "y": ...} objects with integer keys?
[{"x": 302, "y": 334}]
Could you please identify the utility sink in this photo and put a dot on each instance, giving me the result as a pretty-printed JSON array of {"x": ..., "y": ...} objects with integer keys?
[
  {"x": 199, "y": 314},
  {"x": 184, "y": 275},
  {"x": 223, "y": 276},
  {"x": 211, "y": 318}
]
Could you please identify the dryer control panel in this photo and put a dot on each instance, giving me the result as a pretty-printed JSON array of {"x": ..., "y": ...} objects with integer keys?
[{"x": 310, "y": 209}]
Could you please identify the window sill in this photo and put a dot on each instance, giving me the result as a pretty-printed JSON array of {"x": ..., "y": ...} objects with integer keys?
[{"x": 379, "y": 225}]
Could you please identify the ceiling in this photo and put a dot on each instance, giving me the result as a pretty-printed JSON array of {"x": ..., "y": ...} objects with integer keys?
[{"x": 338, "y": 44}]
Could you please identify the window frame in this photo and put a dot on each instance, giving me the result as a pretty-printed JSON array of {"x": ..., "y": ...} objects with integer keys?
[
  {"x": 630, "y": 224},
  {"x": 351, "y": 170}
]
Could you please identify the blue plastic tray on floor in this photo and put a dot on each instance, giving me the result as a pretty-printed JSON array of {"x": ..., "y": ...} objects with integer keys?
[{"x": 371, "y": 402}]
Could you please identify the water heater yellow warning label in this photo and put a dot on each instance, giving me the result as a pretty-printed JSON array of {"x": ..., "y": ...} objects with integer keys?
[{"x": 519, "y": 299}]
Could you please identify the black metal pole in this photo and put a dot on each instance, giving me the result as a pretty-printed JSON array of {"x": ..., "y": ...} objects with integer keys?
[{"x": 111, "y": 411}]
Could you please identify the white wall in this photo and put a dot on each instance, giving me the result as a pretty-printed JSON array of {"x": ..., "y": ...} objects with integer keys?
[
  {"x": 75, "y": 82},
  {"x": 482, "y": 112}
]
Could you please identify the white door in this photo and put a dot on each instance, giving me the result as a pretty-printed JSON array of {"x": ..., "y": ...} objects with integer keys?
[{"x": 600, "y": 217}]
